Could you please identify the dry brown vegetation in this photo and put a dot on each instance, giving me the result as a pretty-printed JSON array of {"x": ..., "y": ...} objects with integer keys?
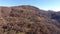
[{"x": 28, "y": 20}]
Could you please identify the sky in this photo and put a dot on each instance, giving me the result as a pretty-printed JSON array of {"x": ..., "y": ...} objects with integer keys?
[{"x": 41, "y": 4}]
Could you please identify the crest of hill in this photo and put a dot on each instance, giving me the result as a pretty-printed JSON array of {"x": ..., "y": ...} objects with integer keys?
[{"x": 28, "y": 19}]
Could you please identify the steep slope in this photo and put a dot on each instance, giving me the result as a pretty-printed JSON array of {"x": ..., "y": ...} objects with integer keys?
[{"x": 28, "y": 20}]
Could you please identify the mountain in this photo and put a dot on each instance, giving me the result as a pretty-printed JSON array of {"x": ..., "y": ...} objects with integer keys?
[{"x": 28, "y": 19}]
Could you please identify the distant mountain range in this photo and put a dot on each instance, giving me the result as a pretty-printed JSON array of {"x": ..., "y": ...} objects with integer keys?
[{"x": 28, "y": 19}]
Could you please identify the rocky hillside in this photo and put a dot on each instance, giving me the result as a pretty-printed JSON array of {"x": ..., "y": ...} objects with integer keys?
[{"x": 28, "y": 20}]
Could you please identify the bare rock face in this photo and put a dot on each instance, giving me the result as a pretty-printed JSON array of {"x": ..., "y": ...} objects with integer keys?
[{"x": 28, "y": 20}]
